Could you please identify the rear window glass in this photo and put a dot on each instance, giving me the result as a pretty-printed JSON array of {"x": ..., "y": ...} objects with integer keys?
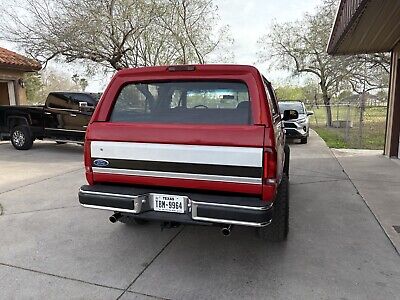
[
  {"x": 188, "y": 102},
  {"x": 298, "y": 106}
]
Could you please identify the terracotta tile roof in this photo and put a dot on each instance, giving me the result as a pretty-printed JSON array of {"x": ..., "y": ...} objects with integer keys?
[{"x": 14, "y": 60}]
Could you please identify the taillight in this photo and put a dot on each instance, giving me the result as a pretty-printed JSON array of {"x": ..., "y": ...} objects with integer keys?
[
  {"x": 269, "y": 175},
  {"x": 88, "y": 163},
  {"x": 270, "y": 166}
]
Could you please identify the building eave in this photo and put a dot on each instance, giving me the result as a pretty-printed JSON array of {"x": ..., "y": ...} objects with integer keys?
[
  {"x": 347, "y": 16},
  {"x": 21, "y": 68},
  {"x": 371, "y": 26}
]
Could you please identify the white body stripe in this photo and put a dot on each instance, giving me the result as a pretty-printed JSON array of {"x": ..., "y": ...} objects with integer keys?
[
  {"x": 235, "y": 179},
  {"x": 214, "y": 155}
]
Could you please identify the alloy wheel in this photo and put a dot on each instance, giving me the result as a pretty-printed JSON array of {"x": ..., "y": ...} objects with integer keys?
[{"x": 18, "y": 138}]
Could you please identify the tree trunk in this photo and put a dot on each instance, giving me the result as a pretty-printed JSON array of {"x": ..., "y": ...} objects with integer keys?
[{"x": 327, "y": 102}]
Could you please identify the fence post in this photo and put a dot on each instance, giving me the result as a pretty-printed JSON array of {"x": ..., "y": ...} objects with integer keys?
[
  {"x": 337, "y": 112},
  {"x": 346, "y": 137},
  {"x": 362, "y": 109},
  {"x": 315, "y": 116}
]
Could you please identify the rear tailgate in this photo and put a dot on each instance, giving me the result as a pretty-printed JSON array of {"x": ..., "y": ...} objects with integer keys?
[{"x": 206, "y": 157}]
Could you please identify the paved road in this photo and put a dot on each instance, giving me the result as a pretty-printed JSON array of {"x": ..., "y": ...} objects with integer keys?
[{"x": 52, "y": 248}]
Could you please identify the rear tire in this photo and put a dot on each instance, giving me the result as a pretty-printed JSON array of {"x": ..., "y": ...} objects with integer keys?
[
  {"x": 286, "y": 166},
  {"x": 21, "y": 138},
  {"x": 129, "y": 220},
  {"x": 278, "y": 230},
  {"x": 304, "y": 140}
]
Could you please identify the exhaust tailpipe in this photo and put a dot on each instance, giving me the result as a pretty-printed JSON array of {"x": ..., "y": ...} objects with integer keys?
[
  {"x": 114, "y": 218},
  {"x": 226, "y": 230}
]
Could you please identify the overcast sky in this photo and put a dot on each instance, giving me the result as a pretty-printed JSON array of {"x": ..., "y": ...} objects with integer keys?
[
  {"x": 251, "y": 19},
  {"x": 248, "y": 20}
]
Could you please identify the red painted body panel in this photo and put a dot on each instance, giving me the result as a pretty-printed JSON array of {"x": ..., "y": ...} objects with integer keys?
[{"x": 244, "y": 136}]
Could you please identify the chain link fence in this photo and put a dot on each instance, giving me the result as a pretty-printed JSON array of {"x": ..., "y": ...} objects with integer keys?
[{"x": 353, "y": 126}]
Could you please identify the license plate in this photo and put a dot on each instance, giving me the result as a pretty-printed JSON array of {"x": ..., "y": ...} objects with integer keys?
[{"x": 169, "y": 203}]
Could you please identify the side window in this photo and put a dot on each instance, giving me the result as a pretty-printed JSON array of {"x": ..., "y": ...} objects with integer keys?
[
  {"x": 275, "y": 100},
  {"x": 272, "y": 101},
  {"x": 59, "y": 101}
]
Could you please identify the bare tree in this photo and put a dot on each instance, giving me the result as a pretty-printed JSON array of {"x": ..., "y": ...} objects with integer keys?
[
  {"x": 40, "y": 84},
  {"x": 182, "y": 32},
  {"x": 184, "y": 17},
  {"x": 83, "y": 84},
  {"x": 369, "y": 72},
  {"x": 300, "y": 47},
  {"x": 116, "y": 34}
]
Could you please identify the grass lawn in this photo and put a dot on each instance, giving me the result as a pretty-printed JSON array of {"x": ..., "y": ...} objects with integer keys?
[
  {"x": 370, "y": 136},
  {"x": 331, "y": 137}
]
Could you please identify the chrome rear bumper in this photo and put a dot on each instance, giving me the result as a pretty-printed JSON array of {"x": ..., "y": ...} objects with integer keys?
[{"x": 195, "y": 210}]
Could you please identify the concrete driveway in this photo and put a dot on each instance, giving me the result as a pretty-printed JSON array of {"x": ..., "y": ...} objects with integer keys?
[{"x": 52, "y": 248}]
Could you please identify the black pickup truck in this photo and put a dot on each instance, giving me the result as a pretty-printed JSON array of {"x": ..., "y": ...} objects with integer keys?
[{"x": 63, "y": 118}]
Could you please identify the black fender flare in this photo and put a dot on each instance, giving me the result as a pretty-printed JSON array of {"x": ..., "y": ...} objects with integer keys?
[
  {"x": 23, "y": 120},
  {"x": 286, "y": 164}
]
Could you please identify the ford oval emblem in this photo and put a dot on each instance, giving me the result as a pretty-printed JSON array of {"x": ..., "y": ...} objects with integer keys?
[{"x": 101, "y": 163}]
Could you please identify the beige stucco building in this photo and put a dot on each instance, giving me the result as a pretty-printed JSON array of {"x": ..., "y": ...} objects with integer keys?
[{"x": 13, "y": 66}]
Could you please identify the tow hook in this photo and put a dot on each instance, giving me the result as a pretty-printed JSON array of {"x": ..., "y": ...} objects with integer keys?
[
  {"x": 114, "y": 218},
  {"x": 226, "y": 230}
]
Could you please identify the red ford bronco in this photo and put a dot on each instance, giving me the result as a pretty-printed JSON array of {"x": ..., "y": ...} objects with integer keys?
[{"x": 199, "y": 144}]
